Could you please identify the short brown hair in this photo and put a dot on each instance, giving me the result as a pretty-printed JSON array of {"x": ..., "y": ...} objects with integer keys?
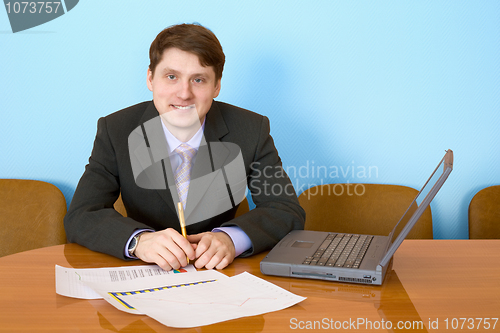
[{"x": 192, "y": 38}]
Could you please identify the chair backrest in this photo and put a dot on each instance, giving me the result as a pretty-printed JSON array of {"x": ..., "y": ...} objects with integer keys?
[
  {"x": 31, "y": 215},
  {"x": 484, "y": 214},
  {"x": 361, "y": 209},
  {"x": 242, "y": 208},
  {"x": 120, "y": 207}
]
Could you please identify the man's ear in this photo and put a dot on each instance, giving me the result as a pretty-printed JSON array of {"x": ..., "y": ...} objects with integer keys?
[
  {"x": 217, "y": 88},
  {"x": 149, "y": 79}
]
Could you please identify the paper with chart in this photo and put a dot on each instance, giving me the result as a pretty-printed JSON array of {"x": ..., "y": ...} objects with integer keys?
[
  {"x": 69, "y": 281},
  {"x": 190, "y": 299},
  {"x": 198, "y": 304},
  {"x": 118, "y": 294}
]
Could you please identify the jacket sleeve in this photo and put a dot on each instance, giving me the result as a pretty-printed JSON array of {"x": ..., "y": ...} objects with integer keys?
[{"x": 91, "y": 220}]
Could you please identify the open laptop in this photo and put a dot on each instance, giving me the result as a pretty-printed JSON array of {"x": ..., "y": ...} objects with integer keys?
[{"x": 347, "y": 257}]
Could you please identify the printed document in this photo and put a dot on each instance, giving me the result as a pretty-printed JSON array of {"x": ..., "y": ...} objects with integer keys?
[
  {"x": 189, "y": 299},
  {"x": 69, "y": 281}
]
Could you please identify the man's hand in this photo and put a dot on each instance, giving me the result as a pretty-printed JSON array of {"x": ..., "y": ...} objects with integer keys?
[
  {"x": 213, "y": 249},
  {"x": 167, "y": 248}
]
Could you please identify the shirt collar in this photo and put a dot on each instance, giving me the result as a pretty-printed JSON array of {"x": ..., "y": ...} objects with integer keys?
[{"x": 194, "y": 142}]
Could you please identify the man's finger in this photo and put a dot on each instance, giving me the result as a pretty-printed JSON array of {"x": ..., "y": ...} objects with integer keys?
[
  {"x": 167, "y": 248},
  {"x": 184, "y": 245},
  {"x": 219, "y": 261}
]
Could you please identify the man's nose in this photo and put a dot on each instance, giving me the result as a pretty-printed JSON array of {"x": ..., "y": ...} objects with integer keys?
[{"x": 185, "y": 91}]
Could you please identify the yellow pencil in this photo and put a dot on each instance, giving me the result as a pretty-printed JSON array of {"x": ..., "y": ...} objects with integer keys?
[{"x": 182, "y": 222}]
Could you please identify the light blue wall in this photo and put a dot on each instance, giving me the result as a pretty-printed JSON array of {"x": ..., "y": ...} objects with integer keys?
[{"x": 382, "y": 84}]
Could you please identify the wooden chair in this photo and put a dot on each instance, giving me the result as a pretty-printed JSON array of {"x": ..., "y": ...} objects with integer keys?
[
  {"x": 243, "y": 208},
  {"x": 120, "y": 208},
  {"x": 484, "y": 214},
  {"x": 362, "y": 209},
  {"x": 31, "y": 215}
]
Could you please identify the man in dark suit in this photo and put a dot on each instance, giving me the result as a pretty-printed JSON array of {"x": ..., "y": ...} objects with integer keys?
[{"x": 186, "y": 63}]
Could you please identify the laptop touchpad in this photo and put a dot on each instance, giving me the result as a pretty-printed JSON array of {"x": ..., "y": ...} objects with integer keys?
[{"x": 302, "y": 244}]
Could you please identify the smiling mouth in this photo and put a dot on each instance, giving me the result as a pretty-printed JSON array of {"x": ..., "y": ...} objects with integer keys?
[{"x": 180, "y": 107}]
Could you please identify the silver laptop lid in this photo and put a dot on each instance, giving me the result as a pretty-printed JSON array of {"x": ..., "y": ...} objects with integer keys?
[{"x": 418, "y": 205}]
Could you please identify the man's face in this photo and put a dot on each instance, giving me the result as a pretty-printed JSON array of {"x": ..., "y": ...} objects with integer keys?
[{"x": 183, "y": 90}]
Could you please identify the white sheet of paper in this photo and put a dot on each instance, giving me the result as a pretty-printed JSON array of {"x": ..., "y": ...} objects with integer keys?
[
  {"x": 203, "y": 304},
  {"x": 69, "y": 280},
  {"x": 119, "y": 294}
]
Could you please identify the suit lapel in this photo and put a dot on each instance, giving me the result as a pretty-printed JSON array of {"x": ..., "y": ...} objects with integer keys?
[
  {"x": 159, "y": 151},
  {"x": 215, "y": 127}
]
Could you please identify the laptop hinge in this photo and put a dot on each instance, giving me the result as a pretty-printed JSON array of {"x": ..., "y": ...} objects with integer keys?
[{"x": 379, "y": 269}]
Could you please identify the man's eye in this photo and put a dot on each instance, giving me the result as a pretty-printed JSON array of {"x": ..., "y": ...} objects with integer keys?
[
  {"x": 198, "y": 80},
  {"x": 171, "y": 77}
]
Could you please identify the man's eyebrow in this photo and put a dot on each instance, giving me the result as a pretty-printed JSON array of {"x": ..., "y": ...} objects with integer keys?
[{"x": 168, "y": 70}]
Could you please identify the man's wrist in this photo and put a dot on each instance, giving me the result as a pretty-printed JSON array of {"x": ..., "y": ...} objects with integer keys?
[{"x": 133, "y": 242}]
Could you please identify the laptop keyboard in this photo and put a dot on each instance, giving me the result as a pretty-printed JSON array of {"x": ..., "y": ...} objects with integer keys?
[{"x": 340, "y": 250}]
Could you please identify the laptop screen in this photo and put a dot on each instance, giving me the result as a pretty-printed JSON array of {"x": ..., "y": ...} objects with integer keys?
[{"x": 419, "y": 204}]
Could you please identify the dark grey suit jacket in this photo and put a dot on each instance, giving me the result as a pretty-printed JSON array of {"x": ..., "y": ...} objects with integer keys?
[{"x": 92, "y": 222}]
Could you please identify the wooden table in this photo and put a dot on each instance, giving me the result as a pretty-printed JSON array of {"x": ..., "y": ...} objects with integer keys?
[{"x": 451, "y": 285}]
